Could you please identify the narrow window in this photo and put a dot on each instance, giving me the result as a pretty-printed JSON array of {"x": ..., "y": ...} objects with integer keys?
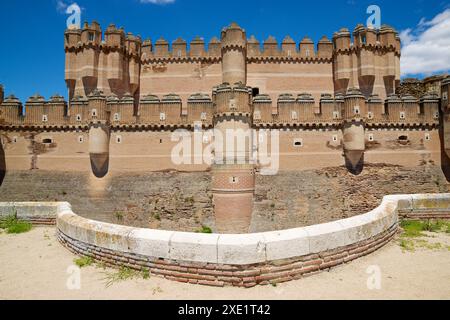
[
  {"x": 255, "y": 92},
  {"x": 427, "y": 137},
  {"x": 160, "y": 141},
  {"x": 203, "y": 116},
  {"x": 298, "y": 143},
  {"x": 116, "y": 117},
  {"x": 91, "y": 36},
  {"x": 294, "y": 115},
  {"x": 363, "y": 39},
  {"x": 307, "y": 53},
  {"x": 94, "y": 112},
  {"x": 371, "y": 138},
  {"x": 335, "y": 115},
  {"x": 80, "y": 139},
  {"x": 356, "y": 110},
  {"x": 335, "y": 138},
  {"x": 47, "y": 141},
  {"x": 44, "y": 118},
  {"x": 402, "y": 115},
  {"x": 15, "y": 139},
  {"x": 370, "y": 115},
  {"x": 118, "y": 139},
  {"x": 234, "y": 180},
  {"x": 78, "y": 117},
  {"x": 162, "y": 116}
]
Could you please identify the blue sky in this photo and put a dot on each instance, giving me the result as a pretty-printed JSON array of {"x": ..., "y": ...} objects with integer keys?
[{"x": 32, "y": 55}]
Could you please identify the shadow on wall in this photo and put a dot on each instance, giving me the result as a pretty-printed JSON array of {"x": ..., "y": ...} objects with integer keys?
[
  {"x": 2, "y": 164},
  {"x": 100, "y": 164},
  {"x": 355, "y": 169}
]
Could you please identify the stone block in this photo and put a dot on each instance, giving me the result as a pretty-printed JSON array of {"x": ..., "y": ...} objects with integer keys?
[
  {"x": 241, "y": 249},
  {"x": 186, "y": 246}
]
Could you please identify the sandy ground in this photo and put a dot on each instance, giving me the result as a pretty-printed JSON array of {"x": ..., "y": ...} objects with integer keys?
[{"x": 34, "y": 266}]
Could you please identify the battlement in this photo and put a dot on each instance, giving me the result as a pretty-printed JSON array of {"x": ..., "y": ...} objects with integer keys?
[
  {"x": 167, "y": 111},
  {"x": 386, "y": 38}
]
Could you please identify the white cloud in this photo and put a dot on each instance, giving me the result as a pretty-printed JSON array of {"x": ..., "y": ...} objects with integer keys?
[
  {"x": 61, "y": 6},
  {"x": 162, "y": 2},
  {"x": 426, "y": 48}
]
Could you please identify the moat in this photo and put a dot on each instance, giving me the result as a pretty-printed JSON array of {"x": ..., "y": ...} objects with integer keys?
[{"x": 183, "y": 201}]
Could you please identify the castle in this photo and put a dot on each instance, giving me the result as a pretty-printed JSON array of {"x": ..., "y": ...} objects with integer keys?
[{"x": 331, "y": 104}]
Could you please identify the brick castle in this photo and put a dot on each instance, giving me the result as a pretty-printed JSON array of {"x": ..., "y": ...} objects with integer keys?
[{"x": 333, "y": 104}]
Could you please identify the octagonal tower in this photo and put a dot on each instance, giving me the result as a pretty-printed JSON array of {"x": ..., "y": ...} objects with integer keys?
[{"x": 233, "y": 170}]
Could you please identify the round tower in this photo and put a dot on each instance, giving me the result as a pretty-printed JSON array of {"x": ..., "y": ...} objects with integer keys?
[
  {"x": 353, "y": 114},
  {"x": 445, "y": 107},
  {"x": 99, "y": 134},
  {"x": 234, "y": 55},
  {"x": 233, "y": 171}
]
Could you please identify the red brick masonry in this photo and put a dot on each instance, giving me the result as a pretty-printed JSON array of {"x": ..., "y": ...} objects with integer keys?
[{"x": 231, "y": 275}]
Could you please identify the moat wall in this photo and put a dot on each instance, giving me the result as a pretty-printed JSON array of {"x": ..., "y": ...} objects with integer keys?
[{"x": 183, "y": 201}]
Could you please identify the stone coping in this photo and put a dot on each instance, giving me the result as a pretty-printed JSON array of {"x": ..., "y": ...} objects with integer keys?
[{"x": 231, "y": 249}]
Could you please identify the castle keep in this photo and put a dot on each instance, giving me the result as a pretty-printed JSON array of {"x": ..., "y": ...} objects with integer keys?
[{"x": 334, "y": 103}]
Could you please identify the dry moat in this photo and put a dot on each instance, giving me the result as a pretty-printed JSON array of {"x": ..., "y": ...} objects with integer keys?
[{"x": 183, "y": 201}]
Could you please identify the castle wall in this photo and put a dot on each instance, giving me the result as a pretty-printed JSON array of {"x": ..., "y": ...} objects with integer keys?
[
  {"x": 182, "y": 78},
  {"x": 275, "y": 78}
]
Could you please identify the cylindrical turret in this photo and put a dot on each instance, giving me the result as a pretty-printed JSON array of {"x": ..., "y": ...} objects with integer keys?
[
  {"x": 234, "y": 55},
  {"x": 233, "y": 173},
  {"x": 99, "y": 134},
  {"x": 353, "y": 114}
]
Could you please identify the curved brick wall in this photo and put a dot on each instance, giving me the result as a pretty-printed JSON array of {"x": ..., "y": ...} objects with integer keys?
[{"x": 240, "y": 260}]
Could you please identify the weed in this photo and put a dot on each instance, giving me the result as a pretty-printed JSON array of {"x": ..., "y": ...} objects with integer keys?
[
  {"x": 12, "y": 225},
  {"x": 205, "y": 229},
  {"x": 157, "y": 216},
  {"x": 83, "y": 261},
  {"x": 124, "y": 273},
  {"x": 407, "y": 245},
  {"x": 119, "y": 215},
  {"x": 146, "y": 274},
  {"x": 412, "y": 228}
]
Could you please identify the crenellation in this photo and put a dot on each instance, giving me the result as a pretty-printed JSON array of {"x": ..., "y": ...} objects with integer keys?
[
  {"x": 288, "y": 47},
  {"x": 270, "y": 47},
  {"x": 197, "y": 47},
  {"x": 306, "y": 48}
]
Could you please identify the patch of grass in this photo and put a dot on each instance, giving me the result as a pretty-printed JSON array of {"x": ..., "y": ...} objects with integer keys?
[
  {"x": 157, "y": 216},
  {"x": 205, "y": 229},
  {"x": 83, "y": 261},
  {"x": 119, "y": 215},
  {"x": 14, "y": 226},
  {"x": 407, "y": 245},
  {"x": 412, "y": 228},
  {"x": 146, "y": 274},
  {"x": 123, "y": 274}
]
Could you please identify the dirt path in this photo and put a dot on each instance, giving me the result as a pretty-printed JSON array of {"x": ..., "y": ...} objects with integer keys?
[{"x": 34, "y": 266}]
